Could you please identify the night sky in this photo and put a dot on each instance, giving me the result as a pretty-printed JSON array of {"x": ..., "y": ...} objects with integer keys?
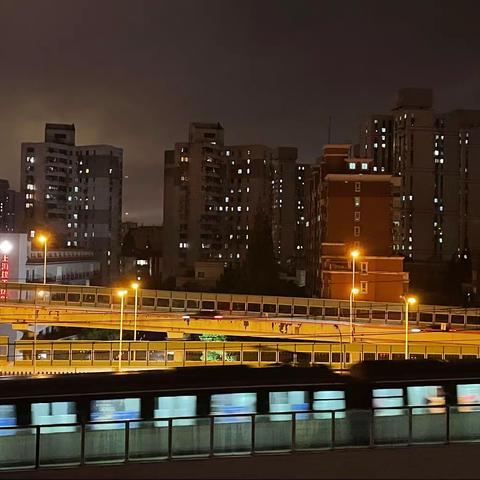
[{"x": 135, "y": 73}]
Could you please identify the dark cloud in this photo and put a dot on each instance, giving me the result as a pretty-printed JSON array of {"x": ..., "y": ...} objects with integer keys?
[{"x": 135, "y": 73}]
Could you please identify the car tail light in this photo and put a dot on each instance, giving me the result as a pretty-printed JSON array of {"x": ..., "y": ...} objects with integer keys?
[{"x": 218, "y": 317}]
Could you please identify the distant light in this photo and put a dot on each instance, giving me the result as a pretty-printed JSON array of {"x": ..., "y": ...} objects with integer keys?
[
  {"x": 122, "y": 293},
  {"x": 355, "y": 291},
  {"x": 135, "y": 285},
  {"x": 354, "y": 253},
  {"x": 415, "y": 330},
  {"x": 6, "y": 247},
  {"x": 218, "y": 317}
]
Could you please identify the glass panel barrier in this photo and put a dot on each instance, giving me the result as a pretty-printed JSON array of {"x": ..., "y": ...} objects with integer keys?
[
  {"x": 429, "y": 425},
  {"x": 390, "y": 426},
  {"x": 148, "y": 440},
  {"x": 232, "y": 434},
  {"x": 352, "y": 428},
  {"x": 192, "y": 439},
  {"x": 313, "y": 430},
  {"x": 273, "y": 432},
  {"x": 17, "y": 447},
  {"x": 59, "y": 446},
  {"x": 104, "y": 442}
]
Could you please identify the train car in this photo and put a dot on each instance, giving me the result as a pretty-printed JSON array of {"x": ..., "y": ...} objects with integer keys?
[{"x": 420, "y": 400}]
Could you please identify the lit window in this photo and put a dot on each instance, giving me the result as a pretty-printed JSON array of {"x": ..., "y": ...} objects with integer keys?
[
  {"x": 233, "y": 403},
  {"x": 180, "y": 406},
  {"x": 385, "y": 398},
  {"x": 356, "y": 216},
  {"x": 356, "y": 231},
  {"x": 292, "y": 401},
  {"x": 115, "y": 409},
  {"x": 426, "y": 399},
  {"x": 329, "y": 401},
  {"x": 239, "y": 171},
  {"x": 364, "y": 267},
  {"x": 357, "y": 186},
  {"x": 363, "y": 287},
  {"x": 352, "y": 165},
  {"x": 364, "y": 166},
  {"x": 54, "y": 413},
  {"x": 356, "y": 201}
]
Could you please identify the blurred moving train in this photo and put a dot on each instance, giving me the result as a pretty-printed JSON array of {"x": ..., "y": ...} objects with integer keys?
[{"x": 379, "y": 388}]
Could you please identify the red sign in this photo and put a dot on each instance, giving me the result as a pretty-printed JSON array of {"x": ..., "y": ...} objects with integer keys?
[{"x": 4, "y": 273}]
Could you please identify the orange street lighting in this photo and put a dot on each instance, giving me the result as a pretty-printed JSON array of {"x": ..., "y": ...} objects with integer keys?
[
  {"x": 135, "y": 286},
  {"x": 43, "y": 241},
  {"x": 121, "y": 294},
  {"x": 409, "y": 300}
]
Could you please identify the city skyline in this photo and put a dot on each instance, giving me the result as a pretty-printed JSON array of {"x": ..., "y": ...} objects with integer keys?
[{"x": 142, "y": 83}]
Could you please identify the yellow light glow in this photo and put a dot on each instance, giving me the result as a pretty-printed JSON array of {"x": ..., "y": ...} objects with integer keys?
[
  {"x": 122, "y": 293},
  {"x": 135, "y": 285},
  {"x": 354, "y": 253},
  {"x": 355, "y": 291},
  {"x": 411, "y": 300},
  {"x": 42, "y": 239},
  {"x": 41, "y": 293}
]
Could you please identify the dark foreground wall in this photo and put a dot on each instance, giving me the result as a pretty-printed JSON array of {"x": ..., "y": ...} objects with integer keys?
[{"x": 436, "y": 462}]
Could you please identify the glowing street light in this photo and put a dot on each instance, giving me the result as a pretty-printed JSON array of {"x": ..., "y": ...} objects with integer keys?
[
  {"x": 43, "y": 241},
  {"x": 408, "y": 301},
  {"x": 121, "y": 294},
  {"x": 354, "y": 254},
  {"x": 135, "y": 286},
  {"x": 353, "y": 292}
]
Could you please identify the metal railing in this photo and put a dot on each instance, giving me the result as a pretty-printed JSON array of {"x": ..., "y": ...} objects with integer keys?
[
  {"x": 157, "y": 354},
  {"x": 239, "y": 305},
  {"x": 76, "y": 444}
]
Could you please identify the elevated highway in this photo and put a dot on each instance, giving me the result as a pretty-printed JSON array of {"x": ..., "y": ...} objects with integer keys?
[
  {"x": 63, "y": 356},
  {"x": 241, "y": 315}
]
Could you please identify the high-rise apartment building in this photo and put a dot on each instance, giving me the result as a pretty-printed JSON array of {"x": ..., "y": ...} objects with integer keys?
[
  {"x": 350, "y": 207},
  {"x": 75, "y": 194},
  {"x": 212, "y": 193},
  {"x": 11, "y": 207},
  {"x": 437, "y": 157}
]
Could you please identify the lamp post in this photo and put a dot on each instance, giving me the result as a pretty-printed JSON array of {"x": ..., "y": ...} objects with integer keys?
[
  {"x": 353, "y": 292},
  {"x": 408, "y": 301},
  {"x": 341, "y": 345},
  {"x": 44, "y": 240},
  {"x": 121, "y": 294},
  {"x": 135, "y": 286}
]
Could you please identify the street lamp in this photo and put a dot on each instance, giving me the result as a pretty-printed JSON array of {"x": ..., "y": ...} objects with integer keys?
[
  {"x": 408, "y": 301},
  {"x": 121, "y": 294},
  {"x": 135, "y": 286},
  {"x": 44, "y": 240},
  {"x": 353, "y": 292}
]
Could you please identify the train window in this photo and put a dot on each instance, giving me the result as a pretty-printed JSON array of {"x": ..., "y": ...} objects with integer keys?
[
  {"x": 468, "y": 394},
  {"x": 398, "y": 356},
  {"x": 8, "y": 416},
  {"x": 234, "y": 403},
  {"x": 89, "y": 297},
  {"x": 469, "y": 357},
  {"x": 300, "y": 310},
  {"x": 73, "y": 297},
  {"x": 385, "y": 398},
  {"x": 180, "y": 406},
  {"x": 54, "y": 413},
  {"x": 368, "y": 355},
  {"x": 58, "y": 297},
  {"x": 253, "y": 307},
  {"x": 328, "y": 401},
  {"x": 232, "y": 356},
  {"x": 433, "y": 397},
  {"x": 238, "y": 307},
  {"x": 115, "y": 409},
  {"x": 285, "y": 309},
  {"x": 434, "y": 356},
  {"x": 285, "y": 356},
  {"x": 383, "y": 356},
  {"x": 190, "y": 304},
  {"x": 293, "y": 401}
]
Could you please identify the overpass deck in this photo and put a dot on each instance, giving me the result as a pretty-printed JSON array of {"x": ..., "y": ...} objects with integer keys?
[
  {"x": 162, "y": 301},
  {"x": 80, "y": 356}
]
